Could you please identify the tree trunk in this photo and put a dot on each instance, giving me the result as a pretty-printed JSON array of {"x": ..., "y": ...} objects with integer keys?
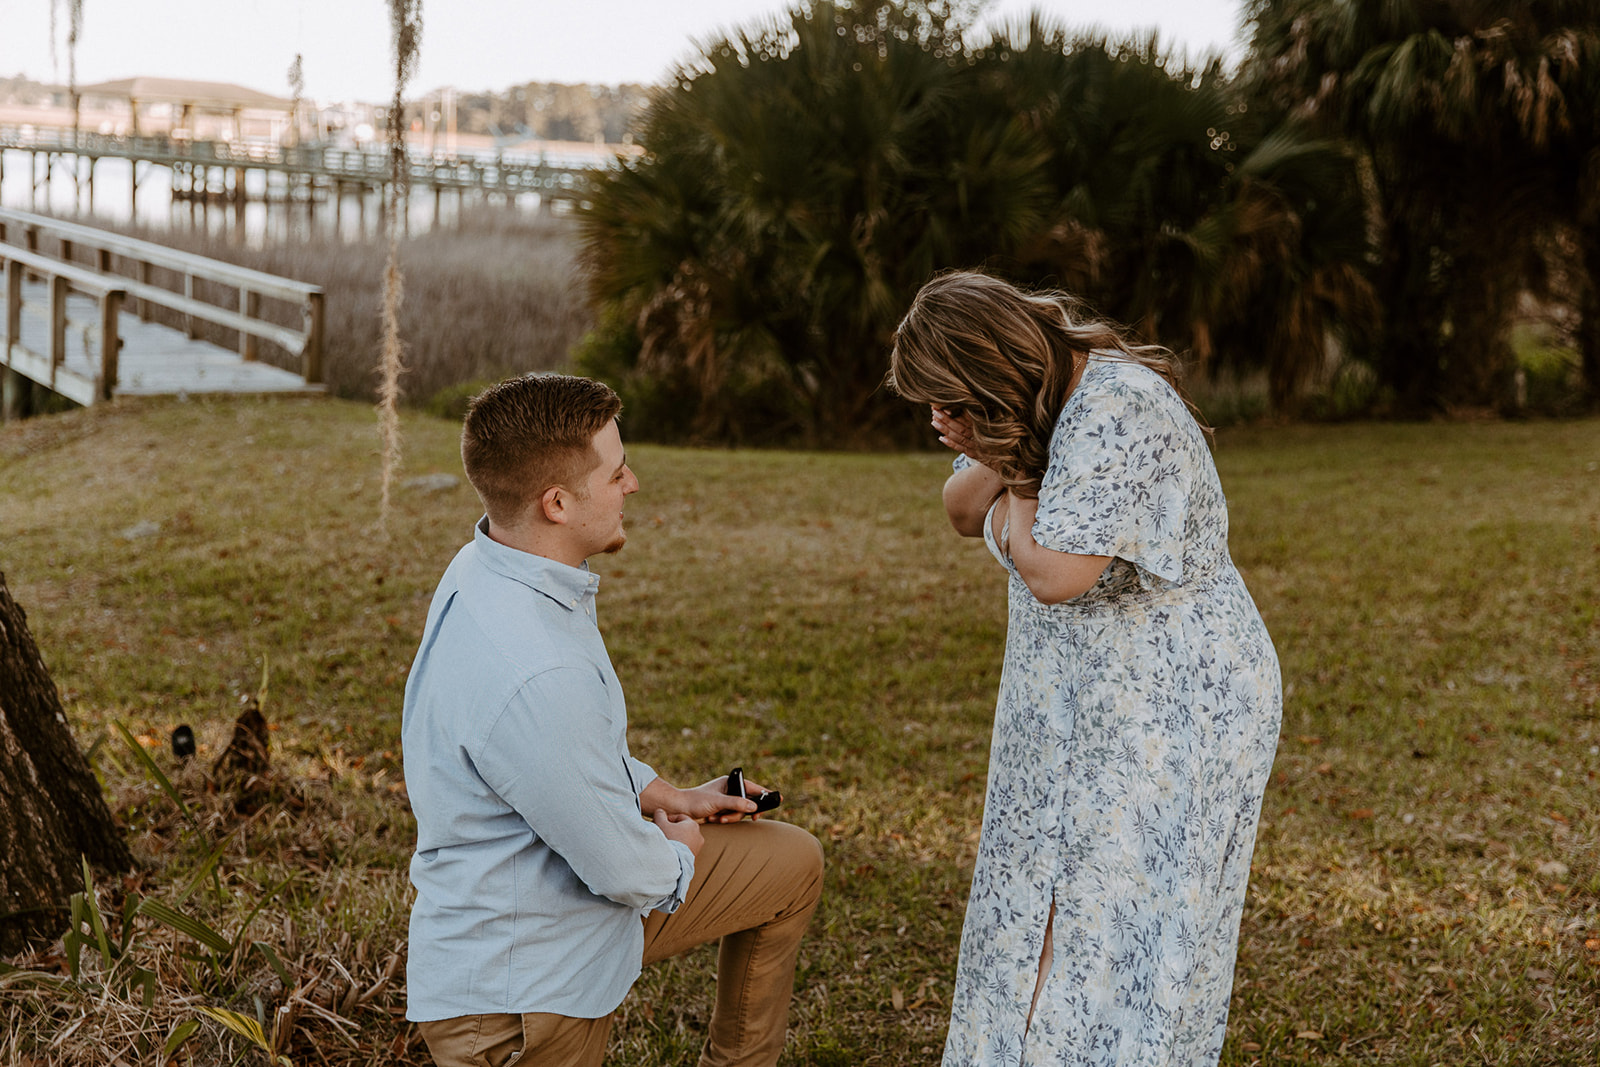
[
  {"x": 1479, "y": 359},
  {"x": 51, "y": 809},
  {"x": 1589, "y": 315},
  {"x": 1408, "y": 360}
]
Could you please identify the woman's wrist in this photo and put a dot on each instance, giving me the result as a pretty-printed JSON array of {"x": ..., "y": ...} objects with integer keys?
[{"x": 1022, "y": 548}]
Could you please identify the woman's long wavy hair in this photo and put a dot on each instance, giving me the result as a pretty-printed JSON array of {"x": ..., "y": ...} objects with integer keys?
[{"x": 1006, "y": 359}]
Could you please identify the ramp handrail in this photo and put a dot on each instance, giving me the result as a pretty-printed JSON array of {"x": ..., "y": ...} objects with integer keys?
[
  {"x": 141, "y": 256},
  {"x": 45, "y": 367}
]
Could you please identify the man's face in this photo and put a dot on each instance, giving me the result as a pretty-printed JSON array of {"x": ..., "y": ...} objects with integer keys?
[{"x": 596, "y": 518}]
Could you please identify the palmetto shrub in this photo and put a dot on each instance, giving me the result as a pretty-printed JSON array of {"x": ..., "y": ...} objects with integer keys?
[{"x": 802, "y": 179}]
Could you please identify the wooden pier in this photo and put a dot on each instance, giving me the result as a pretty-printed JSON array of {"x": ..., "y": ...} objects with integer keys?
[
  {"x": 218, "y": 170},
  {"x": 92, "y": 315}
]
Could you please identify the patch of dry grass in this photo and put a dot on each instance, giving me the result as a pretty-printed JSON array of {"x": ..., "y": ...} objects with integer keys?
[
  {"x": 1427, "y": 879},
  {"x": 498, "y": 295}
]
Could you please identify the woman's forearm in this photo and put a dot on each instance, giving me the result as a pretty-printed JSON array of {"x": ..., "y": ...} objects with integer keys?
[
  {"x": 1050, "y": 576},
  {"x": 967, "y": 496}
]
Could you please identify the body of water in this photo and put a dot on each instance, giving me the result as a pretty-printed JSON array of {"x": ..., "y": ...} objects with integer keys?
[{"x": 265, "y": 220}]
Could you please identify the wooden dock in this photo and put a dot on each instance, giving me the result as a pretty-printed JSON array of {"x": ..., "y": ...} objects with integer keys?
[
  {"x": 154, "y": 360},
  {"x": 217, "y": 170},
  {"x": 81, "y": 311}
]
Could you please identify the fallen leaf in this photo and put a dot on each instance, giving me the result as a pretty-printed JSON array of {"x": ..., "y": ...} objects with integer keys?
[
  {"x": 1250, "y": 1046},
  {"x": 1360, "y": 813},
  {"x": 1593, "y": 944},
  {"x": 1309, "y": 1035},
  {"x": 897, "y": 998}
]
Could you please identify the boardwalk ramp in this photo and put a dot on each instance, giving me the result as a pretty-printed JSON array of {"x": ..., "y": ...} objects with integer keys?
[{"x": 92, "y": 314}]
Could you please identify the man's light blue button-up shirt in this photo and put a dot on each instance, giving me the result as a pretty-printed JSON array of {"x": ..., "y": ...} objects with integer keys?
[{"x": 533, "y": 864}]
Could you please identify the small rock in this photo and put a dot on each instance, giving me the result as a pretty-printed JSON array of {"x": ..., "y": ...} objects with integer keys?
[
  {"x": 142, "y": 528},
  {"x": 431, "y": 483},
  {"x": 1553, "y": 869}
]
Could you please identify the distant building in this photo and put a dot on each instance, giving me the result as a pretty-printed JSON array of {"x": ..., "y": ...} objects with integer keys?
[{"x": 193, "y": 110}]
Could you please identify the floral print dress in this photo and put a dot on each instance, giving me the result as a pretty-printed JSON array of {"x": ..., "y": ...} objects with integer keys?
[{"x": 1133, "y": 738}]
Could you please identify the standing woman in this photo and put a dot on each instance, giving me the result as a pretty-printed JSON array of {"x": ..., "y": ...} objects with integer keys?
[{"x": 1140, "y": 698}]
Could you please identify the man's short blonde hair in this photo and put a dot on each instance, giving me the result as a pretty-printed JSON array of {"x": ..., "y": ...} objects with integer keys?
[{"x": 529, "y": 433}]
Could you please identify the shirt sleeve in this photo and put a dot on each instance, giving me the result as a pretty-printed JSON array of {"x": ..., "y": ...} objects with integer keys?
[
  {"x": 1118, "y": 480},
  {"x": 553, "y": 755},
  {"x": 642, "y": 773}
]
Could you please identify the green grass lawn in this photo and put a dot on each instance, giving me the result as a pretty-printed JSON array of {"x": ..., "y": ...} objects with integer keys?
[{"x": 1426, "y": 885}]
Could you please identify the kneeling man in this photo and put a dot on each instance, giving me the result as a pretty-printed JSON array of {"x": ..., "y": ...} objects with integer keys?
[{"x": 550, "y": 863}]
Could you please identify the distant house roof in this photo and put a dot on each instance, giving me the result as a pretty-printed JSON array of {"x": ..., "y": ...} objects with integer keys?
[{"x": 218, "y": 96}]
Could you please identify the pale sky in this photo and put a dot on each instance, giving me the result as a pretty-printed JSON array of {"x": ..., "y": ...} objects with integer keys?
[{"x": 471, "y": 44}]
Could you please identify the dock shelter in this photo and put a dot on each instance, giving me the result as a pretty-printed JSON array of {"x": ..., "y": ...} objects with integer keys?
[{"x": 193, "y": 110}]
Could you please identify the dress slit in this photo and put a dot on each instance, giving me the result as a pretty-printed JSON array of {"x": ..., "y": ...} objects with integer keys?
[{"x": 1046, "y": 956}]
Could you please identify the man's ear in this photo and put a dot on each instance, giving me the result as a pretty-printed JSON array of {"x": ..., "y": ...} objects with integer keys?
[{"x": 553, "y": 505}]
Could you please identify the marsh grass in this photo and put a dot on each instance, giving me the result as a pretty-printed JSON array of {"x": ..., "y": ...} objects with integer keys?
[
  {"x": 1426, "y": 886},
  {"x": 499, "y": 294}
]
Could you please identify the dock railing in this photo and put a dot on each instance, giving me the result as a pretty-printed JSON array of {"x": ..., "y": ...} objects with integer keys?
[
  {"x": 48, "y": 366},
  {"x": 120, "y": 266},
  {"x": 501, "y": 172}
]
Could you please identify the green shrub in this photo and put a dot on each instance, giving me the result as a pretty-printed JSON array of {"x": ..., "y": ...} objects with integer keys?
[
  {"x": 451, "y": 402},
  {"x": 1551, "y": 370}
]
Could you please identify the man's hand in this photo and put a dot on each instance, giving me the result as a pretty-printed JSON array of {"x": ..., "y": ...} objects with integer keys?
[
  {"x": 681, "y": 828},
  {"x": 710, "y": 802},
  {"x": 703, "y": 803},
  {"x": 713, "y": 798}
]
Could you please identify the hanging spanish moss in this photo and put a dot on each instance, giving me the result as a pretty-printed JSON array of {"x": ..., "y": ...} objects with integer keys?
[
  {"x": 406, "y": 22},
  {"x": 297, "y": 90},
  {"x": 74, "y": 31}
]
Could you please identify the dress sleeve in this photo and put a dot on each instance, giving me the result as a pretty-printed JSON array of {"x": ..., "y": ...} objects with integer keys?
[{"x": 1118, "y": 478}]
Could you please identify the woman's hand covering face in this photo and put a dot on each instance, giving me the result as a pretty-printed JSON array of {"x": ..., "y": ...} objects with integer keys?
[{"x": 955, "y": 431}]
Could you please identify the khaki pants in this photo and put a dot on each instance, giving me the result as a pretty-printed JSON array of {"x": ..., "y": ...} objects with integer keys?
[{"x": 755, "y": 887}]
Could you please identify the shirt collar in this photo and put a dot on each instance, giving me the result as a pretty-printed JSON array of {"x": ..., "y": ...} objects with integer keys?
[{"x": 567, "y": 586}]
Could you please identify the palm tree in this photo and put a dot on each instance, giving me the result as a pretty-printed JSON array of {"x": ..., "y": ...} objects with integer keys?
[
  {"x": 799, "y": 183},
  {"x": 802, "y": 180},
  {"x": 1458, "y": 108},
  {"x": 1178, "y": 210},
  {"x": 1578, "y": 152}
]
